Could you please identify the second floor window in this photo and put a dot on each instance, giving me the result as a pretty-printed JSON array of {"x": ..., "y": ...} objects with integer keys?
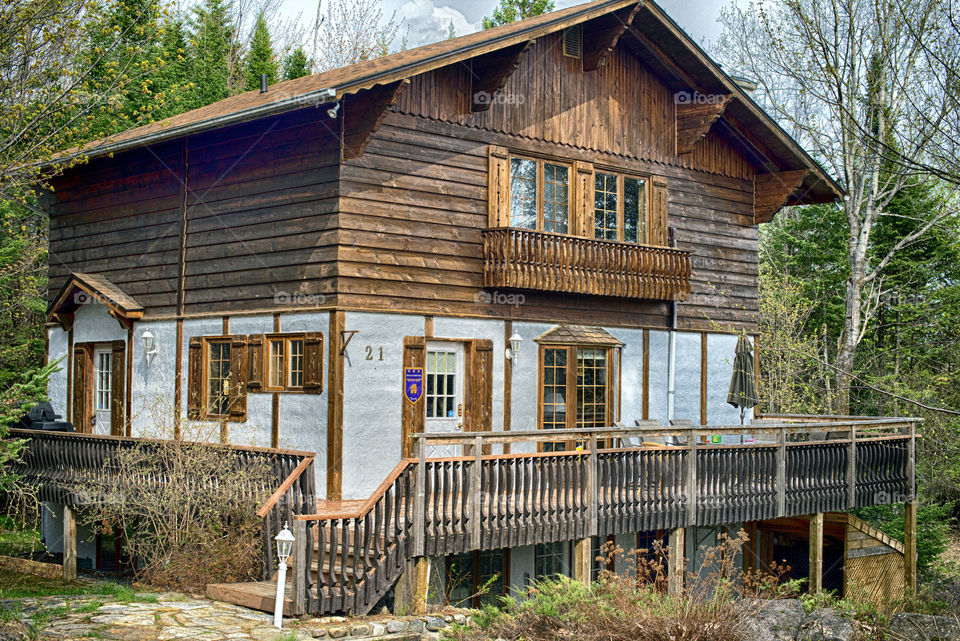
[
  {"x": 620, "y": 207},
  {"x": 539, "y": 195}
]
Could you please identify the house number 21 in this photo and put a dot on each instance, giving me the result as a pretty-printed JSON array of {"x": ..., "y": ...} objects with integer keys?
[{"x": 370, "y": 353}]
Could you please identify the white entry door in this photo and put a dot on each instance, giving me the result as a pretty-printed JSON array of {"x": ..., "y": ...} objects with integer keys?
[
  {"x": 443, "y": 392},
  {"x": 102, "y": 375}
]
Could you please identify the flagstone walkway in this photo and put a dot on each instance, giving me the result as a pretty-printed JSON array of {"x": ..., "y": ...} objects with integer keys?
[{"x": 164, "y": 617}]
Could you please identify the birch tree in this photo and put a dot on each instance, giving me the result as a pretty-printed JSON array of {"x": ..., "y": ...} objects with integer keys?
[{"x": 841, "y": 76}]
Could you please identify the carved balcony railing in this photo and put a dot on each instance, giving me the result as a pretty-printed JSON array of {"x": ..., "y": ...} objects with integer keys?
[{"x": 524, "y": 259}]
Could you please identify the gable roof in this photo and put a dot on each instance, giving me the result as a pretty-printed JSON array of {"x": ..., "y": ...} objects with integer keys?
[
  {"x": 92, "y": 288},
  {"x": 577, "y": 335},
  {"x": 758, "y": 130}
]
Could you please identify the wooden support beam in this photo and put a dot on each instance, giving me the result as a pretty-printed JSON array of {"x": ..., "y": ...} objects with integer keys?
[
  {"x": 602, "y": 34},
  {"x": 476, "y": 476},
  {"x": 410, "y": 594},
  {"x": 362, "y": 114},
  {"x": 678, "y": 561},
  {"x": 695, "y": 114},
  {"x": 335, "y": 361},
  {"x": 301, "y": 571},
  {"x": 582, "y": 561},
  {"x": 771, "y": 191},
  {"x": 816, "y": 553},
  {"x": 69, "y": 544},
  {"x": 491, "y": 71},
  {"x": 910, "y": 549}
]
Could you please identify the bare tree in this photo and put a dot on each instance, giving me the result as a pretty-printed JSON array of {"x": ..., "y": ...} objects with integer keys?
[
  {"x": 351, "y": 31},
  {"x": 842, "y": 76}
]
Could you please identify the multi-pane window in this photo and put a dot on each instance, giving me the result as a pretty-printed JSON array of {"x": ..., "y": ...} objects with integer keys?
[
  {"x": 441, "y": 390},
  {"x": 539, "y": 195},
  {"x": 102, "y": 381},
  {"x": 218, "y": 378},
  {"x": 620, "y": 207},
  {"x": 476, "y": 578},
  {"x": 285, "y": 363},
  {"x": 550, "y": 560},
  {"x": 588, "y": 403}
]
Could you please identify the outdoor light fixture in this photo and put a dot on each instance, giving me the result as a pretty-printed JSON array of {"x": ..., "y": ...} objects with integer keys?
[
  {"x": 284, "y": 548},
  {"x": 513, "y": 352},
  {"x": 334, "y": 110},
  {"x": 149, "y": 346}
]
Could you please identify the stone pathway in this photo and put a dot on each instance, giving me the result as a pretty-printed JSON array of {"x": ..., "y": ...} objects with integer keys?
[{"x": 164, "y": 617}]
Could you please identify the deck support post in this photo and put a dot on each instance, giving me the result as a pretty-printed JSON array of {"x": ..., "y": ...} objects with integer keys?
[
  {"x": 816, "y": 553},
  {"x": 300, "y": 569},
  {"x": 419, "y": 498},
  {"x": 781, "y": 473},
  {"x": 582, "y": 563},
  {"x": 476, "y": 499},
  {"x": 692, "y": 478},
  {"x": 410, "y": 593},
  {"x": 69, "y": 544},
  {"x": 678, "y": 561},
  {"x": 910, "y": 520},
  {"x": 852, "y": 469}
]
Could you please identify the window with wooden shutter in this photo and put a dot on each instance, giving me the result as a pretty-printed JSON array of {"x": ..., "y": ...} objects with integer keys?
[
  {"x": 498, "y": 173},
  {"x": 83, "y": 388},
  {"x": 118, "y": 368},
  {"x": 412, "y": 415},
  {"x": 312, "y": 363},
  {"x": 238, "y": 379},
  {"x": 659, "y": 200},
  {"x": 195, "y": 379},
  {"x": 479, "y": 411}
]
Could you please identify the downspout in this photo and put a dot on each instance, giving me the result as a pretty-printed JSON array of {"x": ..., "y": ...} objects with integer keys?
[{"x": 672, "y": 345}]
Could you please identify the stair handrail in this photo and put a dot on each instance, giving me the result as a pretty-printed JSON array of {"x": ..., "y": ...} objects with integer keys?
[
  {"x": 367, "y": 505},
  {"x": 287, "y": 483}
]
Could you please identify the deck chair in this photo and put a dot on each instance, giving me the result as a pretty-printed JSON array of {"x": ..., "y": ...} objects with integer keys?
[{"x": 650, "y": 440}]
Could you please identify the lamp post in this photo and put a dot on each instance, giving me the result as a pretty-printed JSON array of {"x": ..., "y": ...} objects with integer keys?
[{"x": 284, "y": 547}]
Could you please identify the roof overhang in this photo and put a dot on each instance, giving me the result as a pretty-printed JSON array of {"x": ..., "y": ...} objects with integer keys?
[{"x": 81, "y": 289}]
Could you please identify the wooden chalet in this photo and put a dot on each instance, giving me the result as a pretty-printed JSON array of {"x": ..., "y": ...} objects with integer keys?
[{"x": 477, "y": 302}]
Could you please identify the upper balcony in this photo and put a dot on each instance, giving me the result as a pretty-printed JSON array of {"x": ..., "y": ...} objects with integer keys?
[{"x": 526, "y": 259}]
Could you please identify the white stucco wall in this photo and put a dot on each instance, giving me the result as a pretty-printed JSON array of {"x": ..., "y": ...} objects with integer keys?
[{"x": 57, "y": 347}]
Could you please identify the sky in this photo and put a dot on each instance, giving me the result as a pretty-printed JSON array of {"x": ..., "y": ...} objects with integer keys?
[{"x": 427, "y": 20}]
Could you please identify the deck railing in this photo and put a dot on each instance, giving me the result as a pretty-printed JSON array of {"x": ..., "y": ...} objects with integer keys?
[{"x": 525, "y": 259}]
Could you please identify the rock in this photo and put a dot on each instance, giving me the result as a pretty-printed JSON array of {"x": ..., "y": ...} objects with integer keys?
[
  {"x": 377, "y": 629},
  {"x": 922, "y": 627},
  {"x": 435, "y": 623},
  {"x": 448, "y": 618},
  {"x": 396, "y": 627},
  {"x": 826, "y": 624},
  {"x": 430, "y": 636},
  {"x": 13, "y": 631},
  {"x": 460, "y": 619},
  {"x": 338, "y": 633},
  {"x": 360, "y": 630},
  {"x": 777, "y": 621},
  {"x": 415, "y": 626},
  {"x": 318, "y": 633}
]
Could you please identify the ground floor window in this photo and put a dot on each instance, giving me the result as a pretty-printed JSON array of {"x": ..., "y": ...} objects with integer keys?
[
  {"x": 477, "y": 578},
  {"x": 551, "y": 560}
]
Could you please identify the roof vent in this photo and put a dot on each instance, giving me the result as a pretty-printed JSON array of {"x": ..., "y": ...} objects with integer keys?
[
  {"x": 263, "y": 83},
  {"x": 573, "y": 41}
]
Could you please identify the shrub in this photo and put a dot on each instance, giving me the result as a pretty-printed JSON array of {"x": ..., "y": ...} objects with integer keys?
[{"x": 933, "y": 528}]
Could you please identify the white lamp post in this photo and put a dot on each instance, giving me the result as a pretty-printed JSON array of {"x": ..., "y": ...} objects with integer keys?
[
  {"x": 513, "y": 352},
  {"x": 284, "y": 547}
]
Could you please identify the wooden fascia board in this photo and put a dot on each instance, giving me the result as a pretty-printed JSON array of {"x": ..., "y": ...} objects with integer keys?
[
  {"x": 771, "y": 191},
  {"x": 490, "y": 72},
  {"x": 694, "y": 117},
  {"x": 363, "y": 113},
  {"x": 63, "y": 313},
  {"x": 605, "y": 32}
]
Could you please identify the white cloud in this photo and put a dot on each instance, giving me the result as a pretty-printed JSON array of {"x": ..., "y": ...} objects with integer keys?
[{"x": 428, "y": 22}]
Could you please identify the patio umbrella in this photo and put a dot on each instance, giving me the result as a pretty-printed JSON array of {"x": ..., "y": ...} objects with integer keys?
[{"x": 743, "y": 386}]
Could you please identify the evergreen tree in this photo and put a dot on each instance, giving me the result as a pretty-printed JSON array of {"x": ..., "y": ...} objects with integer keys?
[
  {"x": 296, "y": 64},
  {"x": 512, "y": 10},
  {"x": 173, "y": 79},
  {"x": 451, "y": 32},
  {"x": 260, "y": 58},
  {"x": 212, "y": 34}
]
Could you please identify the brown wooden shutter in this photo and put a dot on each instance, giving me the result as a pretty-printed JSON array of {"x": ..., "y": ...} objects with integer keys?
[
  {"x": 195, "y": 379},
  {"x": 82, "y": 388},
  {"x": 479, "y": 412},
  {"x": 255, "y": 362},
  {"x": 313, "y": 363},
  {"x": 499, "y": 186},
  {"x": 583, "y": 205},
  {"x": 118, "y": 390},
  {"x": 238, "y": 378},
  {"x": 413, "y": 415},
  {"x": 659, "y": 201}
]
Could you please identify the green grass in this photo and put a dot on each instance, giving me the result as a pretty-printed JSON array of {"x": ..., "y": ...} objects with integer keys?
[
  {"x": 24, "y": 586},
  {"x": 16, "y": 540}
]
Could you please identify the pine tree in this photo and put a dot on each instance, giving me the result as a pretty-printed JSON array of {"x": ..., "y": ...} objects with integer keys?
[
  {"x": 212, "y": 33},
  {"x": 260, "y": 58},
  {"x": 296, "y": 64},
  {"x": 174, "y": 79},
  {"x": 512, "y": 10},
  {"x": 451, "y": 32}
]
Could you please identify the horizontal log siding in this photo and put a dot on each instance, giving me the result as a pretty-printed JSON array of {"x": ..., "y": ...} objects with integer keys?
[{"x": 413, "y": 207}]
